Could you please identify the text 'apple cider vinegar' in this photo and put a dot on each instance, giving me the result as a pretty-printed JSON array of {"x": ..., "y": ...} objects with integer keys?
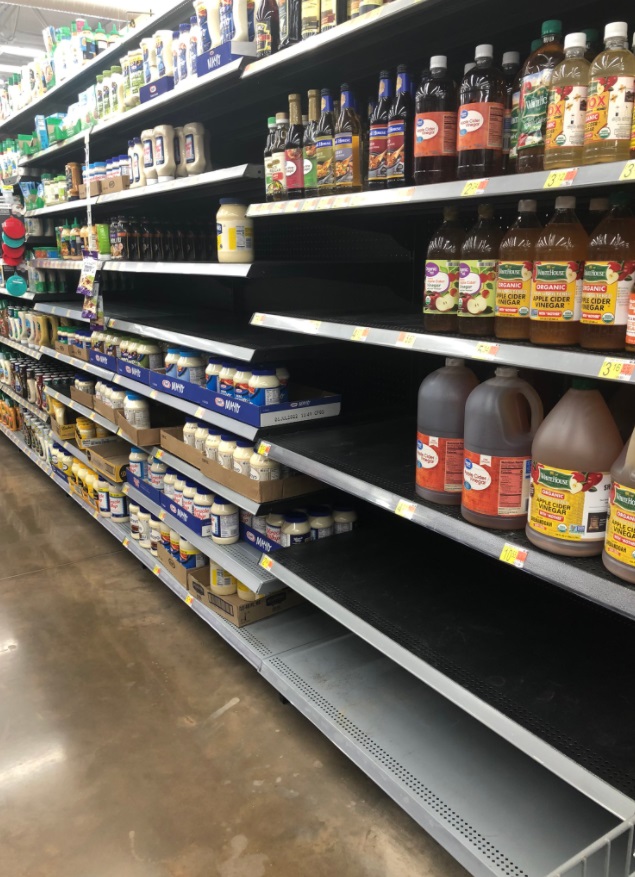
[{"x": 515, "y": 271}]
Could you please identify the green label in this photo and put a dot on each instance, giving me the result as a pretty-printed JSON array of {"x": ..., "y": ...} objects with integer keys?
[
  {"x": 555, "y": 478},
  {"x": 325, "y": 158},
  {"x": 534, "y": 98},
  {"x": 624, "y": 498},
  {"x": 477, "y": 287},
  {"x": 309, "y": 155},
  {"x": 441, "y": 291},
  {"x": 556, "y": 272},
  {"x": 513, "y": 127}
]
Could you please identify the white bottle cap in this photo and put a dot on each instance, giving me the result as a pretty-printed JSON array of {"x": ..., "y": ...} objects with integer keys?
[
  {"x": 438, "y": 61},
  {"x": 616, "y": 29},
  {"x": 527, "y": 205},
  {"x": 565, "y": 202},
  {"x": 453, "y": 361},
  {"x": 575, "y": 40},
  {"x": 487, "y": 51},
  {"x": 506, "y": 371},
  {"x": 511, "y": 58}
]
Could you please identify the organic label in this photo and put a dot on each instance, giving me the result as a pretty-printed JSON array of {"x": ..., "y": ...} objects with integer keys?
[
  {"x": 513, "y": 289},
  {"x": 477, "y": 288},
  {"x": 569, "y": 505},
  {"x": 441, "y": 290},
  {"x": 556, "y": 291},
  {"x": 496, "y": 486},
  {"x": 620, "y": 527},
  {"x": 435, "y": 134},
  {"x": 534, "y": 97},
  {"x": 609, "y": 110},
  {"x": 439, "y": 463},
  {"x": 480, "y": 126},
  {"x": 566, "y": 116},
  {"x": 605, "y": 293},
  {"x": 395, "y": 151},
  {"x": 377, "y": 145}
]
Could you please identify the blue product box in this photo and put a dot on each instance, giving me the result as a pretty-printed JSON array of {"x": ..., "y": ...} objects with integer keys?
[
  {"x": 156, "y": 88},
  {"x": 224, "y": 54},
  {"x": 253, "y": 537},
  {"x": 175, "y": 387},
  {"x": 102, "y": 359},
  {"x": 145, "y": 488},
  {"x": 134, "y": 372},
  {"x": 201, "y": 528}
]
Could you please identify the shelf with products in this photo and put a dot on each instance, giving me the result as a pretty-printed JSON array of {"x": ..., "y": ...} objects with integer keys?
[
  {"x": 5, "y": 388},
  {"x": 32, "y": 296},
  {"x": 375, "y": 461},
  {"x": 84, "y": 411},
  {"x": 34, "y": 352},
  {"x": 79, "y": 363},
  {"x": 406, "y": 332}
]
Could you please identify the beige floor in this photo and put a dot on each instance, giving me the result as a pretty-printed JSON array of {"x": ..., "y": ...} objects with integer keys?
[{"x": 112, "y": 762}]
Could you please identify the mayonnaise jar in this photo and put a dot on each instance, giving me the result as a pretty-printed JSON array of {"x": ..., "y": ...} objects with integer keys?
[
  {"x": 263, "y": 468},
  {"x": 224, "y": 522},
  {"x": 225, "y": 453},
  {"x": 242, "y": 456},
  {"x": 295, "y": 530},
  {"x": 264, "y": 387}
]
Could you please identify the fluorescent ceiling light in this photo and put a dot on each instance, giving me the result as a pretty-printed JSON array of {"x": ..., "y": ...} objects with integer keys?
[{"x": 22, "y": 51}]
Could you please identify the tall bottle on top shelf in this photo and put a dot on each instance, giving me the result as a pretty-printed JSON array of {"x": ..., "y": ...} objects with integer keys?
[
  {"x": 556, "y": 288},
  {"x": 348, "y": 144},
  {"x": 481, "y": 118},
  {"x": 515, "y": 270},
  {"x": 267, "y": 28},
  {"x": 441, "y": 289},
  {"x": 290, "y": 23},
  {"x": 435, "y": 125},
  {"x": 268, "y": 153},
  {"x": 293, "y": 156},
  {"x": 534, "y": 97},
  {"x": 332, "y": 12},
  {"x": 609, "y": 275},
  {"x": 440, "y": 423},
  {"x": 619, "y": 544},
  {"x": 477, "y": 274},
  {"x": 566, "y": 112},
  {"x": 325, "y": 145},
  {"x": 609, "y": 113},
  {"x": 311, "y": 18},
  {"x": 400, "y": 123},
  {"x": 592, "y": 44},
  {"x": 510, "y": 68},
  {"x": 501, "y": 419},
  {"x": 572, "y": 455},
  {"x": 309, "y": 149},
  {"x": 378, "y": 133}
]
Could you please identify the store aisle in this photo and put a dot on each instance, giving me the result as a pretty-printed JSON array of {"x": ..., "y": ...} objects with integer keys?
[{"x": 135, "y": 743}]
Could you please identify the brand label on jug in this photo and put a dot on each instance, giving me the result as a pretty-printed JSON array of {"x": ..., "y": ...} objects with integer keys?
[
  {"x": 570, "y": 505},
  {"x": 496, "y": 486},
  {"x": 556, "y": 291},
  {"x": 441, "y": 290},
  {"x": 534, "y": 96},
  {"x": 480, "y": 126},
  {"x": 439, "y": 463},
  {"x": 605, "y": 293},
  {"x": 620, "y": 528},
  {"x": 513, "y": 289}
]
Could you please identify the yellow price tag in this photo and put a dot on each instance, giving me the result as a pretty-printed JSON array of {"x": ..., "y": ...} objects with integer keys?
[
  {"x": 199, "y": 412},
  {"x": 309, "y": 204},
  {"x": 162, "y": 515},
  {"x": 484, "y": 349},
  {"x": 126, "y": 542},
  {"x": 628, "y": 171},
  {"x": 125, "y": 489},
  {"x": 556, "y": 179},
  {"x": 313, "y": 326},
  {"x": 189, "y": 599},
  {"x": 264, "y": 448},
  {"x": 159, "y": 454},
  {"x": 257, "y": 319},
  {"x": 324, "y": 203},
  {"x": 154, "y": 394},
  {"x": 616, "y": 369},
  {"x": 405, "y": 509},
  {"x": 360, "y": 333},
  {"x": 156, "y": 569},
  {"x": 91, "y": 416},
  {"x": 120, "y": 432},
  {"x": 405, "y": 339},
  {"x": 474, "y": 187},
  {"x": 117, "y": 379},
  {"x": 266, "y": 562},
  {"x": 405, "y": 194},
  {"x": 513, "y": 555}
]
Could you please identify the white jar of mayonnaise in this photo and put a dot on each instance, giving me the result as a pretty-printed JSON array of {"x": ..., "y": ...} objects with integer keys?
[
  {"x": 168, "y": 484},
  {"x": 224, "y": 522},
  {"x": 225, "y": 453},
  {"x": 144, "y": 529},
  {"x": 195, "y": 159},
  {"x": 200, "y": 437},
  {"x": 147, "y": 142},
  {"x": 234, "y": 232},
  {"x": 211, "y": 444},
  {"x": 221, "y": 582},
  {"x": 242, "y": 456},
  {"x": 164, "y": 157},
  {"x": 321, "y": 521},
  {"x": 295, "y": 530},
  {"x": 344, "y": 518},
  {"x": 264, "y": 387},
  {"x": 189, "y": 492},
  {"x": 263, "y": 468},
  {"x": 189, "y": 432}
]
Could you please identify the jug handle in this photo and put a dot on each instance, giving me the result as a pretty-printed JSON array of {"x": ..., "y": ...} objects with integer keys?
[
  {"x": 630, "y": 453},
  {"x": 535, "y": 406}
]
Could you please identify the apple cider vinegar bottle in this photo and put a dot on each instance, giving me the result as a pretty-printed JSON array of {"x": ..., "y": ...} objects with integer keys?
[
  {"x": 441, "y": 290},
  {"x": 477, "y": 274},
  {"x": 515, "y": 270}
]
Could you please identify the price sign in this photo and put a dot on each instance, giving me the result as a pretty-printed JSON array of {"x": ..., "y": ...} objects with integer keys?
[
  {"x": 126, "y": 542},
  {"x": 513, "y": 555},
  {"x": 405, "y": 339},
  {"x": 162, "y": 515},
  {"x": 264, "y": 448},
  {"x": 309, "y": 204},
  {"x": 199, "y": 412},
  {"x": 405, "y": 509},
  {"x": 294, "y": 206},
  {"x": 189, "y": 599},
  {"x": 159, "y": 454},
  {"x": 156, "y": 569},
  {"x": 557, "y": 179},
  {"x": 313, "y": 326},
  {"x": 257, "y": 319},
  {"x": 474, "y": 187},
  {"x": 405, "y": 194},
  {"x": 117, "y": 379},
  {"x": 628, "y": 171},
  {"x": 360, "y": 333},
  {"x": 91, "y": 416},
  {"x": 616, "y": 369},
  {"x": 125, "y": 489},
  {"x": 154, "y": 394},
  {"x": 485, "y": 350},
  {"x": 120, "y": 432},
  {"x": 266, "y": 562}
]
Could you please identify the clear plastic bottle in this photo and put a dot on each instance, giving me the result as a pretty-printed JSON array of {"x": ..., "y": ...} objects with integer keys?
[
  {"x": 477, "y": 274},
  {"x": 501, "y": 419},
  {"x": 572, "y": 455},
  {"x": 566, "y": 112},
  {"x": 515, "y": 270},
  {"x": 440, "y": 421},
  {"x": 441, "y": 288},
  {"x": 619, "y": 544}
]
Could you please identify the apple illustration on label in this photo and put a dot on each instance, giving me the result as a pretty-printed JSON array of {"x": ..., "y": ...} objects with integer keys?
[
  {"x": 571, "y": 273},
  {"x": 446, "y": 302},
  {"x": 526, "y": 271},
  {"x": 476, "y": 305}
]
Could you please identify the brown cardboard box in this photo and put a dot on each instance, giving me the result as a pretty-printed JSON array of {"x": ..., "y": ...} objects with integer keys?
[
  {"x": 78, "y": 353},
  {"x": 172, "y": 441},
  {"x": 198, "y": 583},
  {"x": 111, "y": 459},
  {"x": 95, "y": 189},
  {"x": 177, "y": 569},
  {"x": 106, "y": 411},
  {"x": 240, "y": 613},
  {"x": 83, "y": 398},
  {"x": 84, "y": 444},
  {"x": 66, "y": 433},
  {"x": 141, "y": 437},
  {"x": 114, "y": 184}
]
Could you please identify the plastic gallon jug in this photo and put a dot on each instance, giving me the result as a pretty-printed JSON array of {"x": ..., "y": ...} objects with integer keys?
[
  {"x": 441, "y": 412},
  {"x": 619, "y": 546},
  {"x": 501, "y": 419},
  {"x": 572, "y": 456}
]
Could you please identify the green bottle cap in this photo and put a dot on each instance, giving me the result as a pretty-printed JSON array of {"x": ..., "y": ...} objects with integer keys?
[
  {"x": 99, "y": 28},
  {"x": 535, "y": 45},
  {"x": 592, "y": 35},
  {"x": 552, "y": 26},
  {"x": 583, "y": 384},
  {"x": 271, "y": 121}
]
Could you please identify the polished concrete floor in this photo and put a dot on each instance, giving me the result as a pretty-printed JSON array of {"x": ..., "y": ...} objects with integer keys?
[{"x": 117, "y": 757}]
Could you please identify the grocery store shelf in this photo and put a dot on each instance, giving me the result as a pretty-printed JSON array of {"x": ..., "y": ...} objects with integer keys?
[
  {"x": 406, "y": 332},
  {"x": 33, "y": 352},
  {"x": 5, "y": 388},
  {"x": 62, "y": 310},
  {"x": 57, "y": 264},
  {"x": 433, "y": 195},
  {"x": 474, "y": 640},
  {"x": 375, "y": 461},
  {"x": 32, "y": 296},
  {"x": 79, "y": 363},
  {"x": 203, "y": 269},
  {"x": 239, "y": 559},
  {"x": 74, "y": 451},
  {"x": 84, "y": 411}
]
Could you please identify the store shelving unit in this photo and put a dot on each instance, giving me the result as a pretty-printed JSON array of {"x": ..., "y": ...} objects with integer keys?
[
  {"x": 83, "y": 410},
  {"x": 5, "y": 388},
  {"x": 31, "y": 296},
  {"x": 34, "y": 352}
]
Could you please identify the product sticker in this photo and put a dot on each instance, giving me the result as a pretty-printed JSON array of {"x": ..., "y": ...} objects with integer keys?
[
  {"x": 617, "y": 369},
  {"x": 321, "y": 532},
  {"x": 148, "y": 160},
  {"x": 160, "y": 151},
  {"x": 289, "y": 539},
  {"x": 265, "y": 396},
  {"x": 309, "y": 159},
  {"x": 474, "y": 187},
  {"x": 477, "y": 287},
  {"x": 310, "y": 18},
  {"x": 569, "y": 505},
  {"x": 227, "y": 26},
  {"x": 265, "y": 562},
  {"x": 377, "y": 144},
  {"x": 620, "y": 527},
  {"x": 556, "y": 291},
  {"x": 395, "y": 151},
  {"x": 480, "y": 126},
  {"x": 294, "y": 168},
  {"x": 566, "y": 116},
  {"x": 435, "y": 134},
  {"x": 190, "y": 152},
  {"x": 513, "y": 289},
  {"x": 605, "y": 293},
  {"x": 609, "y": 109},
  {"x": 347, "y": 160},
  {"x": 278, "y": 173},
  {"x": 225, "y": 526},
  {"x": 513, "y": 126},
  {"x": 439, "y": 463},
  {"x": 532, "y": 119},
  {"x": 325, "y": 159},
  {"x": 328, "y": 15},
  {"x": 513, "y": 555},
  {"x": 496, "y": 486},
  {"x": 441, "y": 288}
]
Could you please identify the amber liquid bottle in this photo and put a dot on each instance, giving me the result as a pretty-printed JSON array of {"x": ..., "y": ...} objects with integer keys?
[
  {"x": 309, "y": 149},
  {"x": 399, "y": 143},
  {"x": 510, "y": 65},
  {"x": 481, "y": 117},
  {"x": 267, "y": 28},
  {"x": 515, "y": 270},
  {"x": 435, "y": 125},
  {"x": 325, "y": 145},
  {"x": 556, "y": 288},
  {"x": 293, "y": 156},
  {"x": 441, "y": 290},
  {"x": 378, "y": 134},
  {"x": 348, "y": 145},
  {"x": 477, "y": 274}
]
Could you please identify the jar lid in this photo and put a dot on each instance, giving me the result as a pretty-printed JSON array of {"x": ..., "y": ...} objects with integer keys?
[
  {"x": 227, "y": 437},
  {"x": 296, "y": 517},
  {"x": 244, "y": 443},
  {"x": 132, "y": 396}
]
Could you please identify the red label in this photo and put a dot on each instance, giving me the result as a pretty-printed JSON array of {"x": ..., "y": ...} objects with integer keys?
[
  {"x": 435, "y": 134},
  {"x": 439, "y": 463},
  {"x": 294, "y": 168},
  {"x": 630, "y": 321},
  {"x": 377, "y": 144},
  {"x": 395, "y": 151},
  {"x": 496, "y": 486},
  {"x": 480, "y": 126}
]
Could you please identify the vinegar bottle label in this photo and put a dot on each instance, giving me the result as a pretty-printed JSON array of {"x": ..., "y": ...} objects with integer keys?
[
  {"x": 395, "y": 146},
  {"x": 480, "y": 126},
  {"x": 377, "y": 144},
  {"x": 439, "y": 463},
  {"x": 605, "y": 293},
  {"x": 477, "y": 287},
  {"x": 609, "y": 113},
  {"x": 534, "y": 97},
  {"x": 347, "y": 161},
  {"x": 556, "y": 291},
  {"x": 496, "y": 486},
  {"x": 569, "y": 505},
  {"x": 435, "y": 134},
  {"x": 441, "y": 289},
  {"x": 620, "y": 527},
  {"x": 513, "y": 289},
  {"x": 566, "y": 116},
  {"x": 325, "y": 159}
]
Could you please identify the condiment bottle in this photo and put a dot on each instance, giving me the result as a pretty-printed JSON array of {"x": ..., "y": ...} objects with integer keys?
[
  {"x": 598, "y": 208},
  {"x": 477, "y": 275},
  {"x": 271, "y": 125},
  {"x": 609, "y": 273},
  {"x": 509, "y": 67},
  {"x": 310, "y": 18},
  {"x": 293, "y": 156},
  {"x": 348, "y": 144},
  {"x": 566, "y": 112},
  {"x": 325, "y": 145},
  {"x": 609, "y": 112},
  {"x": 164, "y": 156},
  {"x": 267, "y": 28},
  {"x": 278, "y": 160},
  {"x": 378, "y": 133},
  {"x": 572, "y": 454},
  {"x": 400, "y": 137},
  {"x": 480, "y": 119},
  {"x": 556, "y": 288},
  {"x": 435, "y": 125},
  {"x": 515, "y": 270},
  {"x": 619, "y": 544},
  {"x": 309, "y": 149},
  {"x": 147, "y": 142},
  {"x": 534, "y": 97},
  {"x": 441, "y": 289}
]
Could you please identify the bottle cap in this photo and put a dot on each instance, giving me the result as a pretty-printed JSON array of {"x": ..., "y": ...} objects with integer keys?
[
  {"x": 282, "y": 118},
  {"x": 264, "y": 371},
  {"x": 552, "y": 26},
  {"x": 296, "y": 517},
  {"x": 527, "y": 205},
  {"x": 469, "y": 66},
  {"x": 450, "y": 212},
  {"x": 616, "y": 29},
  {"x": 583, "y": 384},
  {"x": 437, "y": 61},
  {"x": 506, "y": 371},
  {"x": 453, "y": 362},
  {"x": 484, "y": 51},
  {"x": 511, "y": 58},
  {"x": 592, "y": 35},
  {"x": 602, "y": 204},
  {"x": 220, "y": 500},
  {"x": 565, "y": 202},
  {"x": 535, "y": 44},
  {"x": 226, "y": 437},
  {"x": 485, "y": 211},
  {"x": 575, "y": 40},
  {"x": 244, "y": 443}
]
